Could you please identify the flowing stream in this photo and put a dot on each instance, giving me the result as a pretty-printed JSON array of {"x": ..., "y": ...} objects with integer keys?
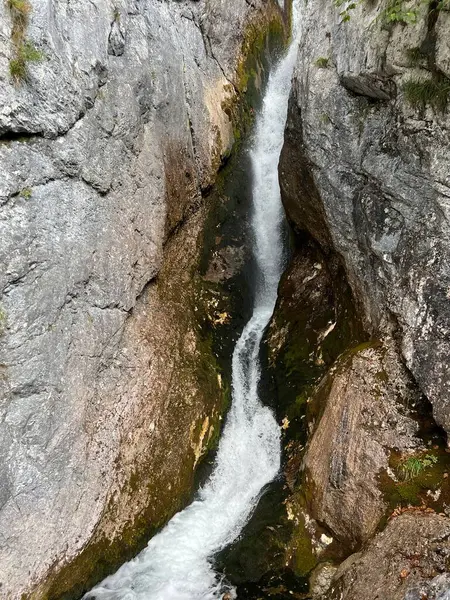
[{"x": 177, "y": 564}]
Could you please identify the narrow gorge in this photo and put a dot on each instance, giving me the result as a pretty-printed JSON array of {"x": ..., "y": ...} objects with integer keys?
[{"x": 201, "y": 399}]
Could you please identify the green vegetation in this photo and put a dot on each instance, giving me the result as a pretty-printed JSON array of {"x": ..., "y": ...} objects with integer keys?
[
  {"x": 322, "y": 62},
  {"x": 24, "y": 50},
  {"x": 2, "y": 320},
  {"x": 17, "y": 69},
  {"x": 20, "y": 9},
  {"x": 395, "y": 12},
  {"x": 414, "y": 465},
  {"x": 26, "y": 53},
  {"x": 25, "y": 193},
  {"x": 429, "y": 92},
  {"x": 30, "y": 53},
  {"x": 346, "y": 7}
]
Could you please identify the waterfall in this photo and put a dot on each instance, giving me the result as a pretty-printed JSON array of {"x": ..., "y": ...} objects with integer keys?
[{"x": 177, "y": 564}]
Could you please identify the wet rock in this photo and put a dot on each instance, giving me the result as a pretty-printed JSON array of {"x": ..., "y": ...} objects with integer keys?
[
  {"x": 313, "y": 322},
  {"x": 407, "y": 561},
  {"x": 225, "y": 264},
  {"x": 360, "y": 412}
]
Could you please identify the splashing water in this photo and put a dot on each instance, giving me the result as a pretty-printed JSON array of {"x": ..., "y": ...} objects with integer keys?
[{"x": 177, "y": 563}]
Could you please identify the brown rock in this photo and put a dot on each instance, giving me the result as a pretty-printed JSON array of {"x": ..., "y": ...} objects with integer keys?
[{"x": 362, "y": 407}]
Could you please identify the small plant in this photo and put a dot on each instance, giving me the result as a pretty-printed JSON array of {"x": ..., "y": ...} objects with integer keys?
[
  {"x": 25, "y": 53},
  {"x": 26, "y": 193},
  {"x": 324, "y": 118},
  {"x": 413, "y": 466},
  {"x": 20, "y": 10},
  {"x": 116, "y": 15},
  {"x": 2, "y": 320},
  {"x": 30, "y": 53},
  {"x": 395, "y": 12},
  {"x": 429, "y": 92},
  {"x": 322, "y": 62},
  {"x": 346, "y": 6},
  {"x": 22, "y": 6},
  {"x": 17, "y": 69}
]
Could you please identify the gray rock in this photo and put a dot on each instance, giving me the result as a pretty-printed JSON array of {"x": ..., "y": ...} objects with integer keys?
[
  {"x": 106, "y": 148},
  {"x": 374, "y": 182}
]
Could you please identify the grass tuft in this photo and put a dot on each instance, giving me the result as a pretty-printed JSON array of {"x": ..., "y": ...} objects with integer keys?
[
  {"x": 17, "y": 69},
  {"x": 26, "y": 193},
  {"x": 25, "y": 53},
  {"x": 430, "y": 92}
]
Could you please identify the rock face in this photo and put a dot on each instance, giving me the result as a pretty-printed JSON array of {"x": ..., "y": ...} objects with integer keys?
[
  {"x": 365, "y": 169},
  {"x": 109, "y": 391},
  {"x": 363, "y": 412},
  {"x": 407, "y": 561}
]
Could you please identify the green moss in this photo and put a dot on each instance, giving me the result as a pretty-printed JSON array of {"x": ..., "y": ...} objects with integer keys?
[
  {"x": 304, "y": 558},
  {"x": 432, "y": 92},
  {"x": 425, "y": 484},
  {"x": 322, "y": 62},
  {"x": 26, "y": 193},
  {"x": 262, "y": 40}
]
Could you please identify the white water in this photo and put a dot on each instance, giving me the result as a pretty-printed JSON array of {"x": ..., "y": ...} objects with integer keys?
[{"x": 178, "y": 562}]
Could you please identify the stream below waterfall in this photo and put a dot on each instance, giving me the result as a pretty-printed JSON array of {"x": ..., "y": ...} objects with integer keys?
[{"x": 178, "y": 563}]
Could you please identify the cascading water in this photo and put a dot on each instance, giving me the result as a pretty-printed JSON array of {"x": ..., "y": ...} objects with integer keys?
[{"x": 177, "y": 563}]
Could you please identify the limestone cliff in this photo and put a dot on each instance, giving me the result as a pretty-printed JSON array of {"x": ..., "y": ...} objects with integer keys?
[
  {"x": 365, "y": 177},
  {"x": 365, "y": 168},
  {"x": 114, "y": 119}
]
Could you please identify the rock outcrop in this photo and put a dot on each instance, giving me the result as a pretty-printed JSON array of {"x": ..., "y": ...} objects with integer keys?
[
  {"x": 365, "y": 168},
  {"x": 114, "y": 119},
  {"x": 365, "y": 174},
  {"x": 363, "y": 412},
  {"x": 407, "y": 561}
]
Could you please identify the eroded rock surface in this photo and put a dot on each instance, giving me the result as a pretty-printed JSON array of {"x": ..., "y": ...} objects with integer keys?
[
  {"x": 362, "y": 412},
  {"x": 109, "y": 389},
  {"x": 407, "y": 561},
  {"x": 367, "y": 173}
]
